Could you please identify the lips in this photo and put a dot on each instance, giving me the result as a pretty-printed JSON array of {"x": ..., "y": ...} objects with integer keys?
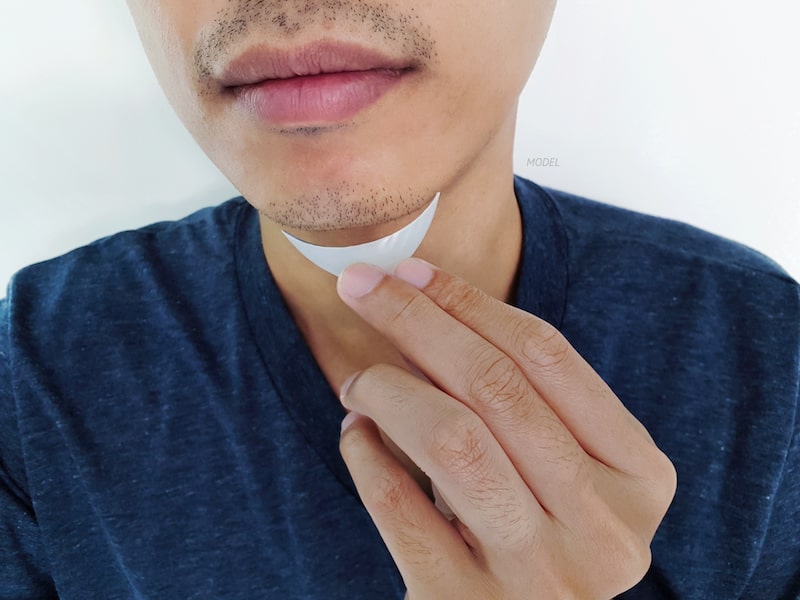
[{"x": 314, "y": 85}]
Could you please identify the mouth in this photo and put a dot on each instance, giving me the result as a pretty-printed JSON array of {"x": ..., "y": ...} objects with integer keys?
[{"x": 316, "y": 85}]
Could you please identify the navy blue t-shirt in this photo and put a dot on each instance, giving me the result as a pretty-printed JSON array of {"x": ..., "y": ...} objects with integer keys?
[{"x": 166, "y": 433}]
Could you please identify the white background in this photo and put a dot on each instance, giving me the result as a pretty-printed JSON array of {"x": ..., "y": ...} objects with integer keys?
[{"x": 684, "y": 109}]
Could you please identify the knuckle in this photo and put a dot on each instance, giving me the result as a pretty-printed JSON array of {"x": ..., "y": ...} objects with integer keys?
[
  {"x": 382, "y": 383},
  {"x": 541, "y": 346},
  {"x": 497, "y": 384},
  {"x": 388, "y": 494},
  {"x": 634, "y": 557},
  {"x": 665, "y": 478},
  {"x": 409, "y": 312},
  {"x": 513, "y": 528},
  {"x": 462, "y": 298},
  {"x": 389, "y": 501},
  {"x": 573, "y": 469},
  {"x": 418, "y": 554},
  {"x": 658, "y": 483},
  {"x": 666, "y": 475},
  {"x": 625, "y": 556},
  {"x": 561, "y": 450},
  {"x": 460, "y": 446}
]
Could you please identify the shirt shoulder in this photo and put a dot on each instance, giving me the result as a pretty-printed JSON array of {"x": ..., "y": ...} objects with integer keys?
[
  {"x": 126, "y": 269},
  {"x": 674, "y": 288},
  {"x": 207, "y": 229},
  {"x": 23, "y": 570},
  {"x": 59, "y": 311},
  {"x": 79, "y": 324},
  {"x": 10, "y": 452},
  {"x": 596, "y": 226}
]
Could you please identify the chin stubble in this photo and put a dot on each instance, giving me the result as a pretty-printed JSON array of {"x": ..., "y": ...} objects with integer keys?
[{"x": 343, "y": 206}]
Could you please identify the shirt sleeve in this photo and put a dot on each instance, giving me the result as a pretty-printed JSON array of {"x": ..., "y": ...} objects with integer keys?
[
  {"x": 779, "y": 559},
  {"x": 23, "y": 568}
]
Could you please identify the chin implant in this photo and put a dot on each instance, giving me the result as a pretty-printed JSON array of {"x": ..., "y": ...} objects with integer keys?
[{"x": 385, "y": 252}]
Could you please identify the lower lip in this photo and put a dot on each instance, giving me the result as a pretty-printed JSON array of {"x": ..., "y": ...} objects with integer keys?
[{"x": 318, "y": 99}]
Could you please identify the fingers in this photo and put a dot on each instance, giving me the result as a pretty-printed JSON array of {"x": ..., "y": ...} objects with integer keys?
[
  {"x": 453, "y": 446},
  {"x": 565, "y": 380},
  {"x": 467, "y": 367},
  {"x": 579, "y": 397},
  {"x": 449, "y": 344},
  {"x": 419, "y": 538}
]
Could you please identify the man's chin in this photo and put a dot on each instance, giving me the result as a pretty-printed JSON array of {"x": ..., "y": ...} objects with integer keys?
[{"x": 341, "y": 220}]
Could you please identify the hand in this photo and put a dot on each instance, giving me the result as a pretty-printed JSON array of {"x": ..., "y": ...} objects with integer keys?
[{"x": 557, "y": 489}]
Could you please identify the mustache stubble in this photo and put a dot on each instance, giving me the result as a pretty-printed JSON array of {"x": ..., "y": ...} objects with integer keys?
[{"x": 277, "y": 21}]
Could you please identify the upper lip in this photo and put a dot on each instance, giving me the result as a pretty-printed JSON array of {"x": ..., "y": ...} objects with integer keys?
[{"x": 260, "y": 63}]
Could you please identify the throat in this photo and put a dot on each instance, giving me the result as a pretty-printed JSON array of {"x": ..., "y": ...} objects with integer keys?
[
  {"x": 342, "y": 350},
  {"x": 339, "y": 357}
]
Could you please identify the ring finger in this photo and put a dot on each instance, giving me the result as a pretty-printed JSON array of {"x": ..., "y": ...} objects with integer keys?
[{"x": 453, "y": 446}]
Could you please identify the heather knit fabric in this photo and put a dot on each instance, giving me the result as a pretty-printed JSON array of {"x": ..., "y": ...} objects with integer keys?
[{"x": 166, "y": 433}]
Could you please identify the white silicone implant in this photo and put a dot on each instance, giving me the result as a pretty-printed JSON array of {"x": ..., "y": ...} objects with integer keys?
[{"x": 384, "y": 253}]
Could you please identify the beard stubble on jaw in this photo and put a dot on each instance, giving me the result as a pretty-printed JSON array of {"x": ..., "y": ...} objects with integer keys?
[{"x": 336, "y": 205}]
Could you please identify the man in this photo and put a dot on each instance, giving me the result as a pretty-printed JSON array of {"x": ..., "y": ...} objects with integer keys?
[{"x": 169, "y": 420}]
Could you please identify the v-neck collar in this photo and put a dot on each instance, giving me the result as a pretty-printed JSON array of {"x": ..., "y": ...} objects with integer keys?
[{"x": 298, "y": 379}]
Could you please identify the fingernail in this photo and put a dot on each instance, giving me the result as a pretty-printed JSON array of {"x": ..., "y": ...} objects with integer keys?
[
  {"x": 359, "y": 280},
  {"x": 346, "y": 386},
  {"x": 415, "y": 271},
  {"x": 351, "y": 418}
]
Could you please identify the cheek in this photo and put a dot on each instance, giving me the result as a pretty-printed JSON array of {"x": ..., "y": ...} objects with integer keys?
[
  {"x": 167, "y": 29},
  {"x": 493, "y": 46}
]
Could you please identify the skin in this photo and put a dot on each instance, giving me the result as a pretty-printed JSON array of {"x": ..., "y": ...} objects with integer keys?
[{"x": 572, "y": 475}]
